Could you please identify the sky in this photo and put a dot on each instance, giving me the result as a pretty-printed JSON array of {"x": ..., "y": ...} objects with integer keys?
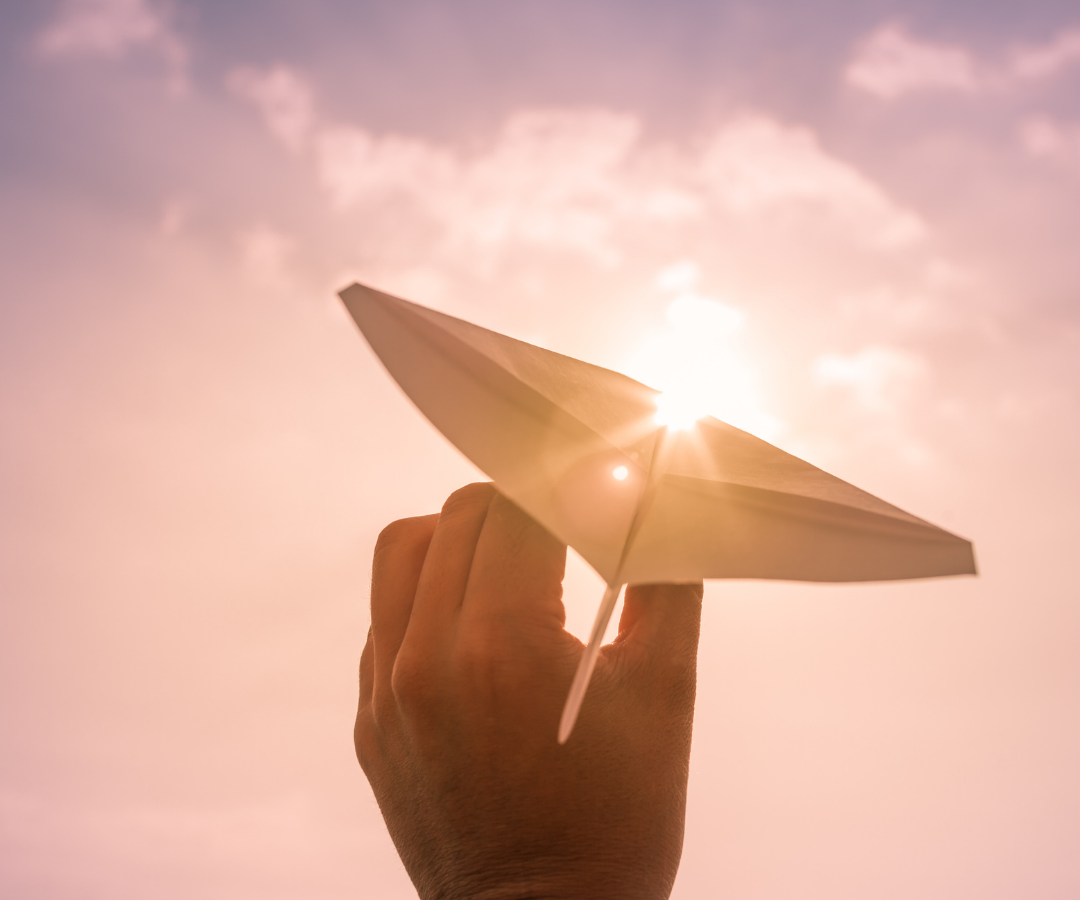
[{"x": 849, "y": 226}]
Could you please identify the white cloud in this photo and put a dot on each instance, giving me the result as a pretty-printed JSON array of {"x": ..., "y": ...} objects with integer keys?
[
  {"x": 756, "y": 164},
  {"x": 354, "y": 166},
  {"x": 283, "y": 97},
  {"x": 680, "y": 276},
  {"x": 1048, "y": 59},
  {"x": 572, "y": 180},
  {"x": 879, "y": 390},
  {"x": 554, "y": 179},
  {"x": 101, "y": 27},
  {"x": 890, "y": 63},
  {"x": 111, "y": 28},
  {"x": 881, "y": 378},
  {"x": 442, "y": 223},
  {"x": 1042, "y": 137},
  {"x": 557, "y": 202}
]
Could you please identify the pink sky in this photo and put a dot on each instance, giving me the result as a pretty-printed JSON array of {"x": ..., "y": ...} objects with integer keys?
[{"x": 855, "y": 225}]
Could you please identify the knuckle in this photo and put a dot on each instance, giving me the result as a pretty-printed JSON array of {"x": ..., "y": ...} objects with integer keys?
[
  {"x": 475, "y": 651},
  {"x": 365, "y": 740},
  {"x": 367, "y": 666},
  {"x": 384, "y": 712},
  {"x": 482, "y": 663},
  {"x": 414, "y": 683}
]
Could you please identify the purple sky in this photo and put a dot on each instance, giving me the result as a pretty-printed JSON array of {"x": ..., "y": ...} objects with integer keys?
[{"x": 853, "y": 225}]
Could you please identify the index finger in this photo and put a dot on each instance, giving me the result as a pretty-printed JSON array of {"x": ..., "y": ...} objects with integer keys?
[{"x": 517, "y": 571}]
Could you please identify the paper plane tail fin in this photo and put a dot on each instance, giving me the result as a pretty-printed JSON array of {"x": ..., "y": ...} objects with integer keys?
[{"x": 587, "y": 663}]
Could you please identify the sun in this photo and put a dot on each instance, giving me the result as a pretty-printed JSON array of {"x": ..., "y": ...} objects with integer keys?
[
  {"x": 680, "y": 409},
  {"x": 702, "y": 361}
]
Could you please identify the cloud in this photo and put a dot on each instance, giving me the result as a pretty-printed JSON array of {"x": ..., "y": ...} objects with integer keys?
[
  {"x": 1049, "y": 59},
  {"x": 878, "y": 389},
  {"x": 111, "y": 28},
  {"x": 575, "y": 180},
  {"x": 283, "y": 97},
  {"x": 556, "y": 201},
  {"x": 881, "y": 378},
  {"x": 570, "y": 180},
  {"x": 555, "y": 178},
  {"x": 1043, "y": 137},
  {"x": 756, "y": 164},
  {"x": 681, "y": 254},
  {"x": 354, "y": 166},
  {"x": 890, "y": 63}
]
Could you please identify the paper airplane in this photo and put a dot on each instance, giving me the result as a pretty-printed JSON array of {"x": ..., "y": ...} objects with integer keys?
[{"x": 579, "y": 448}]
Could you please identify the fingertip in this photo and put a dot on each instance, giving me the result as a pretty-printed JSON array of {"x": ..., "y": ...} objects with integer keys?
[
  {"x": 399, "y": 555},
  {"x": 406, "y": 536},
  {"x": 446, "y": 568},
  {"x": 518, "y": 569},
  {"x": 662, "y": 615},
  {"x": 521, "y": 528},
  {"x": 658, "y": 642},
  {"x": 469, "y": 501}
]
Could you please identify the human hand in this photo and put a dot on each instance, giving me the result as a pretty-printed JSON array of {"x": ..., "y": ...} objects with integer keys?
[{"x": 462, "y": 682}]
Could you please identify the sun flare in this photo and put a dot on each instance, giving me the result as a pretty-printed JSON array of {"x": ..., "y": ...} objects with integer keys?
[
  {"x": 701, "y": 360},
  {"x": 679, "y": 410}
]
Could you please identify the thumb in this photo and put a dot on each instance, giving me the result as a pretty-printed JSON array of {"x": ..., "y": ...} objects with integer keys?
[{"x": 661, "y": 622}]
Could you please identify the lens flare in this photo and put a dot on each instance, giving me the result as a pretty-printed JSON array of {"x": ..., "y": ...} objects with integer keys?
[{"x": 619, "y": 473}]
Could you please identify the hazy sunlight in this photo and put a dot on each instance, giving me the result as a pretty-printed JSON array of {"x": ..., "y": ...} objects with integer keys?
[
  {"x": 679, "y": 410},
  {"x": 698, "y": 360}
]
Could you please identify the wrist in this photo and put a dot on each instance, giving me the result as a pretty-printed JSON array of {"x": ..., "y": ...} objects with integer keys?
[{"x": 560, "y": 879}]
